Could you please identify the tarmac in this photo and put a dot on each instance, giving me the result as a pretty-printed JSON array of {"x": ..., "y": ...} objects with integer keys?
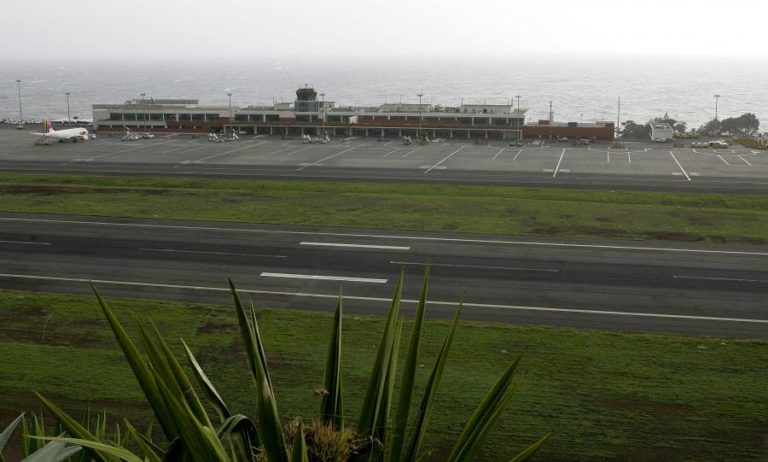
[{"x": 644, "y": 165}]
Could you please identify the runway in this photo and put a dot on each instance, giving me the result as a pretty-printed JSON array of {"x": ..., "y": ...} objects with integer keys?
[
  {"x": 615, "y": 286},
  {"x": 644, "y": 166}
]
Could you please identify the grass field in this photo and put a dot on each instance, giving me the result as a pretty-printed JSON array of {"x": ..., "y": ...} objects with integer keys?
[
  {"x": 473, "y": 209},
  {"x": 603, "y": 395}
]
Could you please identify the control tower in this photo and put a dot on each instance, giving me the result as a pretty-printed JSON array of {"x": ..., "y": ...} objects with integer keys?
[{"x": 306, "y": 100}]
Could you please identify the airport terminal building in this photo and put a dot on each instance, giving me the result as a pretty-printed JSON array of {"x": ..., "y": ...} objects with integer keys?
[{"x": 310, "y": 116}]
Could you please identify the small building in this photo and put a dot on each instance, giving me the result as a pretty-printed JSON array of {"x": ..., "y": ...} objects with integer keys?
[
  {"x": 661, "y": 131},
  {"x": 546, "y": 129}
]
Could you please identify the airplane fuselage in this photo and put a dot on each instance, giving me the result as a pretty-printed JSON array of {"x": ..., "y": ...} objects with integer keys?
[{"x": 70, "y": 134}]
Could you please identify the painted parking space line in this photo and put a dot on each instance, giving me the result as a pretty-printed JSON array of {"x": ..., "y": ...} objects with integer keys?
[
  {"x": 303, "y": 166},
  {"x": 517, "y": 155},
  {"x": 723, "y": 159},
  {"x": 391, "y": 152},
  {"x": 409, "y": 153},
  {"x": 213, "y": 156},
  {"x": 557, "y": 168},
  {"x": 298, "y": 150},
  {"x": 680, "y": 166},
  {"x": 443, "y": 160},
  {"x": 745, "y": 161},
  {"x": 498, "y": 153}
]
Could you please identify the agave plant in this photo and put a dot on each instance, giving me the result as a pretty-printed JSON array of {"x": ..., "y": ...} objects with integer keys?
[
  {"x": 384, "y": 430},
  {"x": 53, "y": 451}
]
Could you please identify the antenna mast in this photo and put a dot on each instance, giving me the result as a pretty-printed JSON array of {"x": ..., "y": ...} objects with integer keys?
[{"x": 551, "y": 114}]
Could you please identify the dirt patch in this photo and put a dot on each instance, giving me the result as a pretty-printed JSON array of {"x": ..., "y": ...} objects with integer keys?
[
  {"x": 42, "y": 328},
  {"x": 750, "y": 240},
  {"x": 579, "y": 231},
  {"x": 673, "y": 236},
  {"x": 213, "y": 328},
  {"x": 651, "y": 408}
]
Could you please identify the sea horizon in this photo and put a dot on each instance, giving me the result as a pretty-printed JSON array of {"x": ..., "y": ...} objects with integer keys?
[{"x": 581, "y": 88}]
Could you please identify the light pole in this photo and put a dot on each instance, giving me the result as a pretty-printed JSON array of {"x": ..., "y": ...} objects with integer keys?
[
  {"x": 144, "y": 111},
  {"x": 69, "y": 121},
  {"x": 229, "y": 95},
  {"x": 21, "y": 115},
  {"x": 519, "y": 122},
  {"x": 717, "y": 97},
  {"x": 418, "y": 130},
  {"x": 322, "y": 108}
]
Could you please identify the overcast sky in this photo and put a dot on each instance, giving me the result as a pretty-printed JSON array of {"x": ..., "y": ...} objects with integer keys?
[{"x": 42, "y": 29}]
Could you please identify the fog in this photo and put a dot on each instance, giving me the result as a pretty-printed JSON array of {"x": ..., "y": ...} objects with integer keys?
[{"x": 44, "y": 29}]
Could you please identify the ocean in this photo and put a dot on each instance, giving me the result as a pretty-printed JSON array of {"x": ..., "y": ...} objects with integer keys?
[{"x": 580, "y": 89}]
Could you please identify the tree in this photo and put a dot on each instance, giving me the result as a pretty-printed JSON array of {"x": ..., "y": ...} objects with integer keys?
[
  {"x": 633, "y": 130},
  {"x": 745, "y": 124}
]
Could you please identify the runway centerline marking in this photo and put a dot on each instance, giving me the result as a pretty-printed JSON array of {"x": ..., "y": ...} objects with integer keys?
[
  {"x": 445, "y": 265},
  {"x": 554, "y": 174},
  {"x": 355, "y": 246},
  {"x": 325, "y": 158},
  {"x": 391, "y": 237},
  {"x": 25, "y": 242},
  {"x": 443, "y": 160},
  {"x": 316, "y": 277},
  {"x": 385, "y": 300},
  {"x": 679, "y": 165},
  {"x": 207, "y": 252},
  {"x": 713, "y": 278}
]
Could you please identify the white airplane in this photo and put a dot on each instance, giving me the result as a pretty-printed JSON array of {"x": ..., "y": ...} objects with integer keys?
[{"x": 71, "y": 134}]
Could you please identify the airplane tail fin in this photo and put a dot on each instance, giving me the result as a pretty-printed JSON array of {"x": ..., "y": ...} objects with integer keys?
[{"x": 47, "y": 127}]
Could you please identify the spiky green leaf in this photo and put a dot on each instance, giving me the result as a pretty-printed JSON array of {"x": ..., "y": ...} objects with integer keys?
[
  {"x": 531, "y": 450},
  {"x": 243, "y": 434},
  {"x": 270, "y": 428},
  {"x": 141, "y": 369},
  {"x": 299, "y": 451},
  {"x": 54, "y": 451},
  {"x": 151, "y": 451},
  {"x": 369, "y": 423},
  {"x": 210, "y": 390},
  {"x": 491, "y": 405},
  {"x": 75, "y": 429},
  {"x": 433, "y": 384},
  {"x": 6, "y": 434},
  {"x": 114, "y": 452},
  {"x": 331, "y": 406},
  {"x": 408, "y": 378}
]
